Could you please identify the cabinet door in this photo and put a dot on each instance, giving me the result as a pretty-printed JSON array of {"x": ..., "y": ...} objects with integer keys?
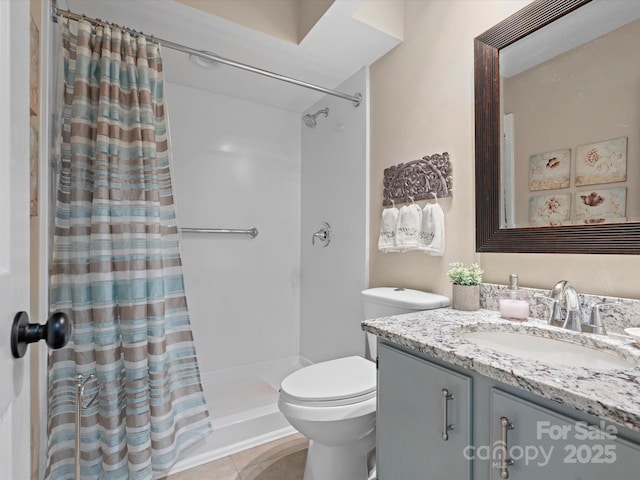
[
  {"x": 546, "y": 445},
  {"x": 411, "y": 419}
]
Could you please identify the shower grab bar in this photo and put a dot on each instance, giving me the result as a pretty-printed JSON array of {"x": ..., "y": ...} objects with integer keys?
[{"x": 251, "y": 232}]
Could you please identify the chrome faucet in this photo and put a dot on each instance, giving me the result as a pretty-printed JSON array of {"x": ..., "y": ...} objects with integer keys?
[
  {"x": 556, "y": 296},
  {"x": 572, "y": 319},
  {"x": 560, "y": 317}
]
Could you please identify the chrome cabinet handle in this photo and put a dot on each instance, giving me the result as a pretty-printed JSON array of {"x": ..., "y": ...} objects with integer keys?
[
  {"x": 505, "y": 461},
  {"x": 446, "y": 427},
  {"x": 323, "y": 235}
]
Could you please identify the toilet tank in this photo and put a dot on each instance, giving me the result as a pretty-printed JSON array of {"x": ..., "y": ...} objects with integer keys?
[{"x": 386, "y": 301}]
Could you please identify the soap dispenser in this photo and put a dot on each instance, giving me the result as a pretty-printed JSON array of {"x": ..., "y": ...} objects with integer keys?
[{"x": 514, "y": 303}]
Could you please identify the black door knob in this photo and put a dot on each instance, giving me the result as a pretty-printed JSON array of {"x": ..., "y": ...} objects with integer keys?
[{"x": 56, "y": 332}]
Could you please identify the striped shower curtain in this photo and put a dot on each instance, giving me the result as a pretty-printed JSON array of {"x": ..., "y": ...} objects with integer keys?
[{"x": 116, "y": 269}]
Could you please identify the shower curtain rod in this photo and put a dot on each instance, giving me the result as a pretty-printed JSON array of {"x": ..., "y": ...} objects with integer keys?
[{"x": 356, "y": 99}]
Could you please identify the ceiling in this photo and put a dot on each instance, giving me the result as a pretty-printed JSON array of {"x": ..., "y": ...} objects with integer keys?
[
  {"x": 289, "y": 20},
  {"x": 335, "y": 48}
]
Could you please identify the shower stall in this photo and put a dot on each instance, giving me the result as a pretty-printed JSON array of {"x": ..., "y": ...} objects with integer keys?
[
  {"x": 261, "y": 306},
  {"x": 255, "y": 165}
]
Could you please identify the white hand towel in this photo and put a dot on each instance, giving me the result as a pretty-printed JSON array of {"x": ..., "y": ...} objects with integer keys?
[
  {"x": 427, "y": 230},
  {"x": 409, "y": 225},
  {"x": 387, "y": 238},
  {"x": 436, "y": 246}
]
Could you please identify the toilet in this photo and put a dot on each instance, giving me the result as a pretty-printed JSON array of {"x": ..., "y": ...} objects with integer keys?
[{"x": 333, "y": 403}]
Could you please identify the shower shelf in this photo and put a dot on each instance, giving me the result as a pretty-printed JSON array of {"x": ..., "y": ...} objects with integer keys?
[{"x": 429, "y": 177}]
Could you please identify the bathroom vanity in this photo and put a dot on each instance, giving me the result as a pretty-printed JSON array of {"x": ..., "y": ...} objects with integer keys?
[{"x": 449, "y": 407}]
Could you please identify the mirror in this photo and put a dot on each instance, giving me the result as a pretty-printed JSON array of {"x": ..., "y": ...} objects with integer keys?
[{"x": 567, "y": 177}]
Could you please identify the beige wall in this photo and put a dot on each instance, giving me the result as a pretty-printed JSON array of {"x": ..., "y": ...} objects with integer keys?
[{"x": 422, "y": 103}]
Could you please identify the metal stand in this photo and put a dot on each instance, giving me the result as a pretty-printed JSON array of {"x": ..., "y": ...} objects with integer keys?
[{"x": 81, "y": 383}]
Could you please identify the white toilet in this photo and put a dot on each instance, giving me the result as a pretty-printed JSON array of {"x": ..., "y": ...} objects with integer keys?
[{"x": 333, "y": 403}]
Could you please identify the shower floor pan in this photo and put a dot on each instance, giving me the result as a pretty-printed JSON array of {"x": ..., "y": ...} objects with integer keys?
[{"x": 243, "y": 408}]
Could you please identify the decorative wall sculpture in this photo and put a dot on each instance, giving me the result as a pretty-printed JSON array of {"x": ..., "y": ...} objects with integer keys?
[{"x": 429, "y": 177}]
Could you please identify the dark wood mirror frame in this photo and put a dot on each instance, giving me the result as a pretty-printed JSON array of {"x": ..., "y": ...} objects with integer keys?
[{"x": 621, "y": 238}]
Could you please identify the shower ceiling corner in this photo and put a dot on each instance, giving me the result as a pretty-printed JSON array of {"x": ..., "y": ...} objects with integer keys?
[{"x": 336, "y": 48}]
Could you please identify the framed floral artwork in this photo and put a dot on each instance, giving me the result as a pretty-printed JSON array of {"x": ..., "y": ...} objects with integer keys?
[
  {"x": 550, "y": 170},
  {"x": 549, "y": 210},
  {"x": 605, "y": 205},
  {"x": 602, "y": 162}
]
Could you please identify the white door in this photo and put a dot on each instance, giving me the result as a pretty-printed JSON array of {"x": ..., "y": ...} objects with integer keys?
[{"x": 14, "y": 234}]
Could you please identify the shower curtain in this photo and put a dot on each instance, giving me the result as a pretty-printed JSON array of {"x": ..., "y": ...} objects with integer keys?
[{"x": 116, "y": 268}]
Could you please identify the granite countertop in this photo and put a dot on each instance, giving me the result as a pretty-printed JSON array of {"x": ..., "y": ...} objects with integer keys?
[{"x": 612, "y": 394}]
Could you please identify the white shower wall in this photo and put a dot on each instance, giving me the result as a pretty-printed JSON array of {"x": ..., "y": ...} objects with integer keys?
[
  {"x": 237, "y": 164},
  {"x": 335, "y": 189}
]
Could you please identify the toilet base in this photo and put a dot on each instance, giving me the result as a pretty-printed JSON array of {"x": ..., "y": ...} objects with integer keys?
[{"x": 340, "y": 462}]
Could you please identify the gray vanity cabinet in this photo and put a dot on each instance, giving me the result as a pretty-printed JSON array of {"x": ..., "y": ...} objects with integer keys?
[
  {"x": 516, "y": 435},
  {"x": 543, "y": 444},
  {"x": 423, "y": 419}
]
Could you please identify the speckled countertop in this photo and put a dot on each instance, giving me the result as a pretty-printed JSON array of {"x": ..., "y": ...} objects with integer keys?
[{"x": 610, "y": 394}]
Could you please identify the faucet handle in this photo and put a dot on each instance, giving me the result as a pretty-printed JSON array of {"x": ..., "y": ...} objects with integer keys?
[
  {"x": 556, "y": 318},
  {"x": 596, "y": 323}
]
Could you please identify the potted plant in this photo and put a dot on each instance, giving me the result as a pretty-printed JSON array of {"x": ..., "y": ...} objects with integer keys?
[{"x": 466, "y": 285}]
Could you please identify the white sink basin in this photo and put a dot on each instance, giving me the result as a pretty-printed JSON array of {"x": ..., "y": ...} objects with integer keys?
[{"x": 547, "y": 350}]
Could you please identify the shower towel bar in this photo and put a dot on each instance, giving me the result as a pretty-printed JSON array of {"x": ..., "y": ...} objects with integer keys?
[{"x": 251, "y": 232}]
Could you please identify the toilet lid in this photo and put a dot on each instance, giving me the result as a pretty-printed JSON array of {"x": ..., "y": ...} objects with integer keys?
[
  {"x": 335, "y": 380},
  {"x": 405, "y": 298}
]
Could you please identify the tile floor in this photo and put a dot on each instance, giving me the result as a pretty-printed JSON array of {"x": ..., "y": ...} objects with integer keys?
[{"x": 281, "y": 459}]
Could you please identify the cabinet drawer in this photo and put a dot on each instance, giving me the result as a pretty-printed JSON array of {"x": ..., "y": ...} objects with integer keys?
[{"x": 544, "y": 444}]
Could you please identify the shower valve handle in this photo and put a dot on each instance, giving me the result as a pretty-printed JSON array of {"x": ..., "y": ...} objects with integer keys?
[
  {"x": 56, "y": 332},
  {"x": 323, "y": 235}
]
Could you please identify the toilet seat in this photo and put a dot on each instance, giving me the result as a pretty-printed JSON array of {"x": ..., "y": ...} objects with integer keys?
[{"x": 343, "y": 381}]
